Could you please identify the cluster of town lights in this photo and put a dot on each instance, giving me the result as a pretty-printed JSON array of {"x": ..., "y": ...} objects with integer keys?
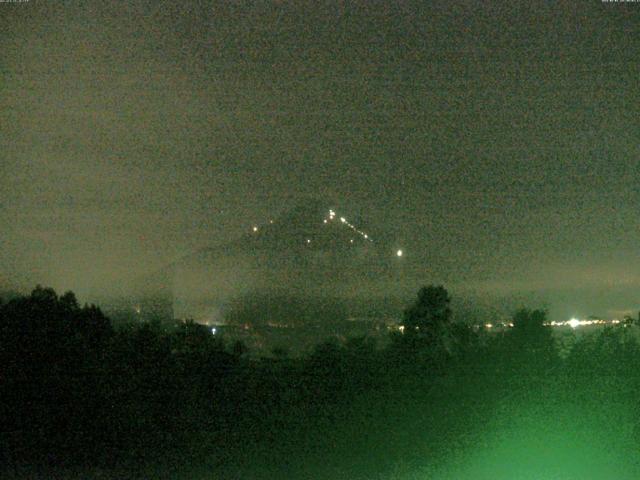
[{"x": 573, "y": 323}]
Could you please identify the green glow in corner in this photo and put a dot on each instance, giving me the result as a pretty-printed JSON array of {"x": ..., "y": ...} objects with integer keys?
[{"x": 542, "y": 444}]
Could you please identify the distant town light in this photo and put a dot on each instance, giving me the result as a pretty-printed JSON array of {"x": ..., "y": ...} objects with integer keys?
[
  {"x": 308, "y": 240},
  {"x": 399, "y": 253},
  {"x": 255, "y": 229},
  {"x": 213, "y": 330},
  {"x": 574, "y": 323},
  {"x": 343, "y": 220}
]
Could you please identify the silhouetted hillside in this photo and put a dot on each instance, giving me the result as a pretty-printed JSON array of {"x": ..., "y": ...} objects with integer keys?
[{"x": 310, "y": 251}]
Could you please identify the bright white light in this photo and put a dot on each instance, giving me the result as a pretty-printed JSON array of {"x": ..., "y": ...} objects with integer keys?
[
  {"x": 366, "y": 236},
  {"x": 351, "y": 241},
  {"x": 255, "y": 229},
  {"x": 325, "y": 220},
  {"x": 343, "y": 220},
  {"x": 308, "y": 240},
  {"x": 399, "y": 253},
  {"x": 214, "y": 330},
  {"x": 574, "y": 323}
]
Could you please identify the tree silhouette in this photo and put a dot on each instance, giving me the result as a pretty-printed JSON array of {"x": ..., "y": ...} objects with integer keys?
[
  {"x": 69, "y": 302},
  {"x": 430, "y": 313},
  {"x": 51, "y": 353},
  {"x": 529, "y": 326},
  {"x": 427, "y": 324},
  {"x": 531, "y": 340}
]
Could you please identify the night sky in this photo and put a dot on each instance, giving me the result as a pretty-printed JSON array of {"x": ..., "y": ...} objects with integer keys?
[{"x": 497, "y": 143}]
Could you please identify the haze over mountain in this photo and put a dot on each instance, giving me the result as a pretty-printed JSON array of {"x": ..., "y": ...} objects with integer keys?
[{"x": 311, "y": 252}]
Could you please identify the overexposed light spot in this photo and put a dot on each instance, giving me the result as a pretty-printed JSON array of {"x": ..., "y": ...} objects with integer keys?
[
  {"x": 574, "y": 323},
  {"x": 399, "y": 253},
  {"x": 255, "y": 229}
]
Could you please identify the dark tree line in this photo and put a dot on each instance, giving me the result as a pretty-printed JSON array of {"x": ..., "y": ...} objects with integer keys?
[{"x": 76, "y": 391}]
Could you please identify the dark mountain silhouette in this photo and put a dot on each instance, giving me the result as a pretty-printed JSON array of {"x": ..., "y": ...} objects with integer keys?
[{"x": 311, "y": 252}]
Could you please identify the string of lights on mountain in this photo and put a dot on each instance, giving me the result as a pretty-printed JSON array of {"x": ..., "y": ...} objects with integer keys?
[{"x": 329, "y": 218}]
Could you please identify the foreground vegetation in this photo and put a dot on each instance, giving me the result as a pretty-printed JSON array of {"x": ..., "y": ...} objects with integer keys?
[{"x": 442, "y": 401}]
